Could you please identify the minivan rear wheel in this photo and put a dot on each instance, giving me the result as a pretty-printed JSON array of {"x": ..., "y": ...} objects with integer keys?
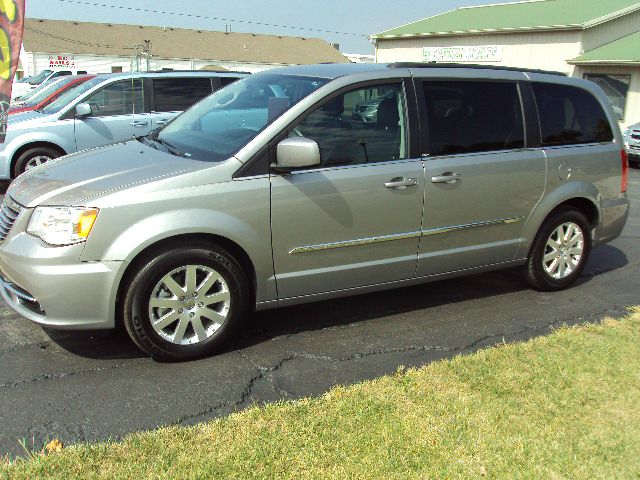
[
  {"x": 560, "y": 251},
  {"x": 34, "y": 157},
  {"x": 186, "y": 303}
]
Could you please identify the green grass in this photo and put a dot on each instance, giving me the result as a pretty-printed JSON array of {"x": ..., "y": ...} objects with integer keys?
[{"x": 562, "y": 406}]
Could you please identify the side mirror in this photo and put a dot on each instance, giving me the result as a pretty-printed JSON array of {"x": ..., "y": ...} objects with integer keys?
[
  {"x": 296, "y": 152},
  {"x": 83, "y": 110}
]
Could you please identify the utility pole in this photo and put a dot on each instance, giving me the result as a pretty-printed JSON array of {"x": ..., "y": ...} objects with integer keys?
[{"x": 146, "y": 51}]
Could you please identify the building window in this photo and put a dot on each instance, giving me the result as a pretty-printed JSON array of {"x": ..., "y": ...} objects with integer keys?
[
  {"x": 116, "y": 69},
  {"x": 615, "y": 87}
]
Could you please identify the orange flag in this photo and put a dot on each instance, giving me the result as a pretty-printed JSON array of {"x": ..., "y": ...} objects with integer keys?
[{"x": 11, "y": 25}]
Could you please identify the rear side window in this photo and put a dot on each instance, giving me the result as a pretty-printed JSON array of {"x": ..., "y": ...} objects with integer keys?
[
  {"x": 470, "y": 117},
  {"x": 177, "y": 94},
  {"x": 570, "y": 116},
  {"x": 224, "y": 81}
]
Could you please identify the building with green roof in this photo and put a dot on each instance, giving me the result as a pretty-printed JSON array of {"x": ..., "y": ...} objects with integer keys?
[{"x": 594, "y": 39}]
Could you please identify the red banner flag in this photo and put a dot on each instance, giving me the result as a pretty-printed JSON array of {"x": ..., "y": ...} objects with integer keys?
[{"x": 11, "y": 25}]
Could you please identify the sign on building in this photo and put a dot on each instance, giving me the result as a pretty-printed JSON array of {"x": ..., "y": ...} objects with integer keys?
[
  {"x": 62, "y": 61},
  {"x": 481, "y": 53}
]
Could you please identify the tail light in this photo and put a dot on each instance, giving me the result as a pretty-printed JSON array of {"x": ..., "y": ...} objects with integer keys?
[{"x": 625, "y": 171}]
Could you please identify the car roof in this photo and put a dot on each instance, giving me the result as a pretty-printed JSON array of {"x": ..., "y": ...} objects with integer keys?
[
  {"x": 332, "y": 71},
  {"x": 173, "y": 73}
]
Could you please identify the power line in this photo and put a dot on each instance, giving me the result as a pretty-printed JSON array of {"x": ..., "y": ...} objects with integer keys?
[{"x": 206, "y": 17}]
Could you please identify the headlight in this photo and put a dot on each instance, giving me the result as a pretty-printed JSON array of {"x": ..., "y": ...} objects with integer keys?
[{"x": 62, "y": 225}]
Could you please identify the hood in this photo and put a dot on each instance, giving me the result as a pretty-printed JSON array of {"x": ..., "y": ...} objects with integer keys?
[
  {"x": 81, "y": 177},
  {"x": 20, "y": 117}
]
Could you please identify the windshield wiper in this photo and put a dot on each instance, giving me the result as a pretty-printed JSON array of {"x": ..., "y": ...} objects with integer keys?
[{"x": 172, "y": 149}]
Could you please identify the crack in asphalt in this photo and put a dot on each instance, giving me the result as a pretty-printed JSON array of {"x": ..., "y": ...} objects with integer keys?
[
  {"x": 57, "y": 376},
  {"x": 293, "y": 355},
  {"x": 226, "y": 404},
  {"x": 263, "y": 370}
]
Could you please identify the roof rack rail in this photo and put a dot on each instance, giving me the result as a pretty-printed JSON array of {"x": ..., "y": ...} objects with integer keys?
[
  {"x": 470, "y": 65},
  {"x": 187, "y": 71}
]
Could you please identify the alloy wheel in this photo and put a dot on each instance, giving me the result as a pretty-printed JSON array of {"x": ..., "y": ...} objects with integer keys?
[
  {"x": 189, "y": 304},
  {"x": 563, "y": 251}
]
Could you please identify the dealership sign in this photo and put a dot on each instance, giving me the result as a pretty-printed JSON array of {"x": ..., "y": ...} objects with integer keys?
[
  {"x": 483, "y": 53},
  {"x": 62, "y": 61}
]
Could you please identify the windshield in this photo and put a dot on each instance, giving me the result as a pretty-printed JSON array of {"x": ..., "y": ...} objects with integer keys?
[
  {"x": 34, "y": 97},
  {"x": 70, "y": 95},
  {"x": 221, "y": 124},
  {"x": 27, "y": 96},
  {"x": 38, "y": 79}
]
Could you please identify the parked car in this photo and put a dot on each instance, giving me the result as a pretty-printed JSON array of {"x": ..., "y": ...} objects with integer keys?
[
  {"x": 366, "y": 111},
  {"x": 48, "y": 94},
  {"x": 632, "y": 141},
  {"x": 22, "y": 98},
  {"x": 104, "y": 109},
  {"x": 264, "y": 195},
  {"x": 19, "y": 88}
]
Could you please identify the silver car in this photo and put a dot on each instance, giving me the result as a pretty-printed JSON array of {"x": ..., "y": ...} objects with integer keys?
[
  {"x": 267, "y": 194},
  {"x": 106, "y": 109},
  {"x": 632, "y": 140}
]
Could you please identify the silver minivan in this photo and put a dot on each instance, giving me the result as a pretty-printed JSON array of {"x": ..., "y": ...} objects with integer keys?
[
  {"x": 106, "y": 109},
  {"x": 314, "y": 182}
]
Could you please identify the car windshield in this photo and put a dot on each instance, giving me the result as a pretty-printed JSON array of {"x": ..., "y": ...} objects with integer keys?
[
  {"x": 38, "y": 79},
  {"x": 40, "y": 93},
  {"x": 221, "y": 124},
  {"x": 29, "y": 95},
  {"x": 71, "y": 94}
]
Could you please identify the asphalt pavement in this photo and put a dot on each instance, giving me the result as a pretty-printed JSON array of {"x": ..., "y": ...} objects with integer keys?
[{"x": 81, "y": 387}]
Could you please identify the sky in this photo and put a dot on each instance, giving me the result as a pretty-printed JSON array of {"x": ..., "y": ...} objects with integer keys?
[{"x": 346, "y": 22}]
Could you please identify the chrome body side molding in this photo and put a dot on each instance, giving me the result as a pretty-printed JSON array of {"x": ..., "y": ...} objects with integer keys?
[{"x": 400, "y": 236}]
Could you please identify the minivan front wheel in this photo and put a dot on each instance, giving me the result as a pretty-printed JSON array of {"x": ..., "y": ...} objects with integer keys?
[
  {"x": 186, "y": 303},
  {"x": 560, "y": 251},
  {"x": 34, "y": 157}
]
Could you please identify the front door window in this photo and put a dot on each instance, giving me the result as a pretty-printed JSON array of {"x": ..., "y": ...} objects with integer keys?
[
  {"x": 366, "y": 125},
  {"x": 119, "y": 98}
]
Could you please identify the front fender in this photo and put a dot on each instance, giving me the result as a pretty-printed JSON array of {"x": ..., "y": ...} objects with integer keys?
[
  {"x": 10, "y": 148},
  {"x": 122, "y": 234}
]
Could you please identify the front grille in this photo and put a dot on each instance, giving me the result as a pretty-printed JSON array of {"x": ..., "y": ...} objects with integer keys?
[
  {"x": 635, "y": 136},
  {"x": 8, "y": 214}
]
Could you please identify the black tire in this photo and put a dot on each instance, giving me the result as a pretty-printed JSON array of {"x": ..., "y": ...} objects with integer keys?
[
  {"x": 535, "y": 272},
  {"x": 136, "y": 305},
  {"x": 28, "y": 155}
]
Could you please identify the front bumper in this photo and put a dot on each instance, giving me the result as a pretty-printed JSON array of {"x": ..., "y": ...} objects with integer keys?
[{"x": 52, "y": 287}]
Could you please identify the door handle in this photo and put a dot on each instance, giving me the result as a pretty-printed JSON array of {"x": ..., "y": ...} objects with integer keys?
[
  {"x": 401, "y": 182},
  {"x": 139, "y": 124},
  {"x": 160, "y": 123},
  {"x": 446, "y": 177}
]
